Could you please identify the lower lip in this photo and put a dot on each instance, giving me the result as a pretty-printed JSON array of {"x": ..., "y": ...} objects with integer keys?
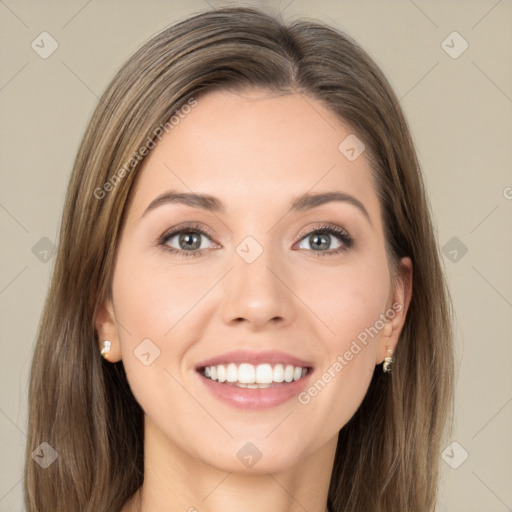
[{"x": 256, "y": 398}]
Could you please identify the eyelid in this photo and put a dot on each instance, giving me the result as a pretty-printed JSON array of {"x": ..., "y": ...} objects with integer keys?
[
  {"x": 185, "y": 226},
  {"x": 323, "y": 226}
]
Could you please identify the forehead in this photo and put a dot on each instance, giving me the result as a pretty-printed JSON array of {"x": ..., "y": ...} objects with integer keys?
[{"x": 253, "y": 150}]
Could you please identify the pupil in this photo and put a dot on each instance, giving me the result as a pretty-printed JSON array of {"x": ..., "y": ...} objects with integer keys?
[
  {"x": 324, "y": 245},
  {"x": 186, "y": 240}
]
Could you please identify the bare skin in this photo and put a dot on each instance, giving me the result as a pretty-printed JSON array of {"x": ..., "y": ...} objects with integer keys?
[{"x": 256, "y": 153}]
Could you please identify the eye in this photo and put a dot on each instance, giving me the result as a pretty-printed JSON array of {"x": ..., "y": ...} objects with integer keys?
[
  {"x": 319, "y": 240},
  {"x": 188, "y": 239}
]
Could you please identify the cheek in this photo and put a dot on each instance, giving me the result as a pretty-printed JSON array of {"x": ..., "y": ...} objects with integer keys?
[
  {"x": 154, "y": 306},
  {"x": 348, "y": 363},
  {"x": 160, "y": 309},
  {"x": 349, "y": 301},
  {"x": 153, "y": 298}
]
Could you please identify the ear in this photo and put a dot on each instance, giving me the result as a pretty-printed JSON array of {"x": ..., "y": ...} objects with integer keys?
[
  {"x": 106, "y": 328},
  {"x": 397, "y": 310}
]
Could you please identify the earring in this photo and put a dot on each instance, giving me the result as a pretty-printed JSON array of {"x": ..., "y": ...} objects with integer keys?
[
  {"x": 106, "y": 348},
  {"x": 388, "y": 362}
]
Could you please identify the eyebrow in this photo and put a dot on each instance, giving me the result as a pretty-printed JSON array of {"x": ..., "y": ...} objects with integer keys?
[{"x": 207, "y": 202}]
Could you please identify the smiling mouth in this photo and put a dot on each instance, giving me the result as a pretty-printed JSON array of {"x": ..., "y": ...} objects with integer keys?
[{"x": 246, "y": 375}]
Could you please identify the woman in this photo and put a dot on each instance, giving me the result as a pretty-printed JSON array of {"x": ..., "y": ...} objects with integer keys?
[{"x": 247, "y": 243}]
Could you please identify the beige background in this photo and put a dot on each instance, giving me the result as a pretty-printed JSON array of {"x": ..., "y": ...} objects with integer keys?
[{"x": 459, "y": 110}]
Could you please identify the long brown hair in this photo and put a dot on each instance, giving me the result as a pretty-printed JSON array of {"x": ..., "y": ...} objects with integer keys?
[{"x": 388, "y": 453}]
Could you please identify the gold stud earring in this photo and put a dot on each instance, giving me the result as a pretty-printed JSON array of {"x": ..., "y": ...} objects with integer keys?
[
  {"x": 106, "y": 348},
  {"x": 388, "y": 361}
]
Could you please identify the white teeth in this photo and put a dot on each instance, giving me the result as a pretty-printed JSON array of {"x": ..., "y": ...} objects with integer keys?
[
  {"x": 249, "y": 376},
  {"x": 231, "y": 373},
  {"x": 221, "y": 373},
  {"x": 246, "y": 374},
  {"x": 264, "y": 374},
  {"x": 278, "y": 373}
]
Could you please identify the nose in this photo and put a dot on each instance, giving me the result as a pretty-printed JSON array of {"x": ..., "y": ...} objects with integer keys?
[{"x": 257, "y": 293}]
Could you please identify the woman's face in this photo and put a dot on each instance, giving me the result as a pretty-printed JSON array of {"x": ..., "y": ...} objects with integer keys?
[{"x": 259, "y": 267}]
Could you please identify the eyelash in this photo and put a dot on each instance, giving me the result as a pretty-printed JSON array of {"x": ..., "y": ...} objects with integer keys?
[{"x": 330, "y": 229}]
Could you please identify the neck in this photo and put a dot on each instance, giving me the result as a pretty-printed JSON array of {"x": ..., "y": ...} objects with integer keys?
[{"x": 176, "y": 481}]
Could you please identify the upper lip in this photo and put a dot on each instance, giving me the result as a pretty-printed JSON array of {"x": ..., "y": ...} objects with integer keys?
[{"x": 255, "y": 358}]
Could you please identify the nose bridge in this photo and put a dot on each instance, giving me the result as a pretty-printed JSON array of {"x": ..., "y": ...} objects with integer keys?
[{"x": 254, "y": 289}]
